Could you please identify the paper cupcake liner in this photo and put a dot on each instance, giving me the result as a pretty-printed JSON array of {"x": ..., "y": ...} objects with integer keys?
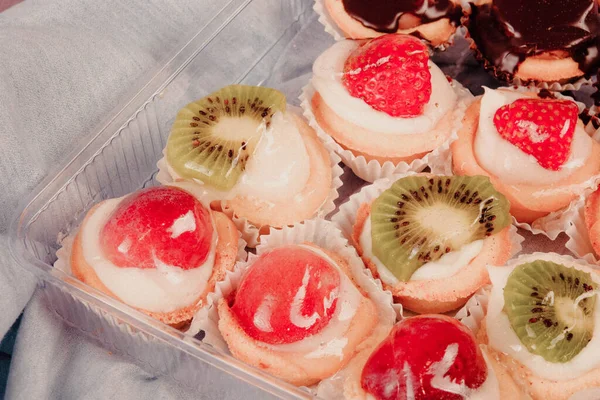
[
  {"x": 328, "y": 22},
  {"x": 510, "y": 79},
  {"x": 331, "y": 27},
  {"x": 345, "y": 218},
  {"x": 251, "y": 233},
  {"x": 373, "y": 169},
  {"x": 579, "y": 242},
  {"x": 63, "y": 260},
  {"x": 323, "y": 234},
  {"x": 473, "y": 312}
]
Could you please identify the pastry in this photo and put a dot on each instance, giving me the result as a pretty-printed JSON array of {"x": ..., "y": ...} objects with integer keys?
[
  {"x": 264, "y": 165},
  {"x": 160, "y": 250},
  {"x": 429, "y": 357},
  {"x": 532, "y": 146},
  {"x": 428, "y": 238},
  {"x": 435, "y": 22},
  {"x": 298, "y": 314},
  {"x": 542, "y": 325},
  {"x": 535, "y": 41},
  {"x": 382, "y": 100}
]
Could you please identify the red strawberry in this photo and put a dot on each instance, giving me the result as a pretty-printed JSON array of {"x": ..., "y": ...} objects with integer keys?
[
  {"x": 390, "y": 73},
  {"x": 542, "y": 128},
  {"x": 425, "y": 358},
  {"x": 160, "y": 224},
  {"x": 288, "y": 294}
]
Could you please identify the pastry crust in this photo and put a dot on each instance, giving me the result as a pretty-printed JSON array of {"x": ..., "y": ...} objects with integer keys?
[
  {"x": 437, "y": 32},
  {"x": 225, "y": 257},
  {"x": 549, "y": 67},
  {"x": 527, "y": 202},
  {"x": 536, "y": 387},
  {"x": 293, "y": 367},
  {"x": 592, "y": 216},
  {"x": 263, "y": 213},
  {"x": 379, "y": 146},
  {"x": 441, "y": 295}
]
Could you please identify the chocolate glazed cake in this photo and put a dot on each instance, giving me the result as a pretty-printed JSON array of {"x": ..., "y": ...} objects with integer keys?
[
  {"x": 561, "y": 36},
  {"x": 385, "y": 15}
]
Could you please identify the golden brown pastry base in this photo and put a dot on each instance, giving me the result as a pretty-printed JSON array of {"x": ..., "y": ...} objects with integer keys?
[
  {"x": 380, "y": 146},
  {"x": 436, "y": 33}
]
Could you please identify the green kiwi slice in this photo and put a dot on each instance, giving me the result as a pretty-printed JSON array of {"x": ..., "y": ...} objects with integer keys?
[
  {"x": 551, "y": 308},
  {"x": 421, "y": 218},
  {"x": 212, "y": 138}
]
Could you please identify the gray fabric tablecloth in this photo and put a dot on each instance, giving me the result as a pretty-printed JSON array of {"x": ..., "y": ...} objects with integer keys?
[{"x": 64, "y": 64}]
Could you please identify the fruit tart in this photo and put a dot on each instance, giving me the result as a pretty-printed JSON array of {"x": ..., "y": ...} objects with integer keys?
[
  {"x": 301, "y": 311},
  {"x": 532, "y": 145},
  {"x": 536, "y": 41},
  {"x": 542, "y": 324},
  {"x": 434, "y": 22},
  {"x": 383, "y": 105},
  {"x": 160, "y": 250},
  {"x": 426, "y": 357},
  {"x": 428, "y": 238},
  {"x": 264, "y": 165}
]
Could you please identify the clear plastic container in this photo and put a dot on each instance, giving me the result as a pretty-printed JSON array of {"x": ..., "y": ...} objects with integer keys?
[{"x": 246, "y": 41}]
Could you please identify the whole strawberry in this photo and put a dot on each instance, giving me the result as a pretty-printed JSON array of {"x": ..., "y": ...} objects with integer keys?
[
  {"x": 390, "y": 73},
  {"x": 541, "y": 128}
]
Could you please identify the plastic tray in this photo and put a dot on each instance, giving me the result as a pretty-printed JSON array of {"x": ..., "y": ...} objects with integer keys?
[{"x": 246, "y": 41}]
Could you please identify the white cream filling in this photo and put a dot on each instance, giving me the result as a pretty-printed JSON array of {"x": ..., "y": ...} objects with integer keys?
[
  {"x": 448, "y": 265},
  {"x": 164, "y": 289},
  {"x": 327, "y": 79},
  {"x": 277, "y": 170},
  {"x": 510, "y": 164},
  {"x": 328, "y": 342},
  {"x": 503, "y": 338}
]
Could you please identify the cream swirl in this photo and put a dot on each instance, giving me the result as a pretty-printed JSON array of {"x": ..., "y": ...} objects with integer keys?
[
  {"x": 327, "y": 79},
  {"x": 506, "y": 161}
]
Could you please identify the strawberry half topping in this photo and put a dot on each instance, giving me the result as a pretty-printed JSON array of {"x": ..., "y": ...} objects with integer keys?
[
  {"x": 390, "y": 73},
  {"x": 541, "y": 128},
  {"x": 288, "y": 294},
  {"x": 424, "y": 358},
  {"x": 155, "y": 226}
]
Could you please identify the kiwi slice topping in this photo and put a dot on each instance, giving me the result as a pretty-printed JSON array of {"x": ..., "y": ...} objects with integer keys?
[
  {"x": 212, "y": 138},
  {"x": 421, "y": 218},
  {"x": 551, "y": 308}
]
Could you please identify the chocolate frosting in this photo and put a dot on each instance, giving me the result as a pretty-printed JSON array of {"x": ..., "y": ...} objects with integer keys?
[
  {"x": 384, "y": 15},
  {"x": 506, "y": 32}
]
